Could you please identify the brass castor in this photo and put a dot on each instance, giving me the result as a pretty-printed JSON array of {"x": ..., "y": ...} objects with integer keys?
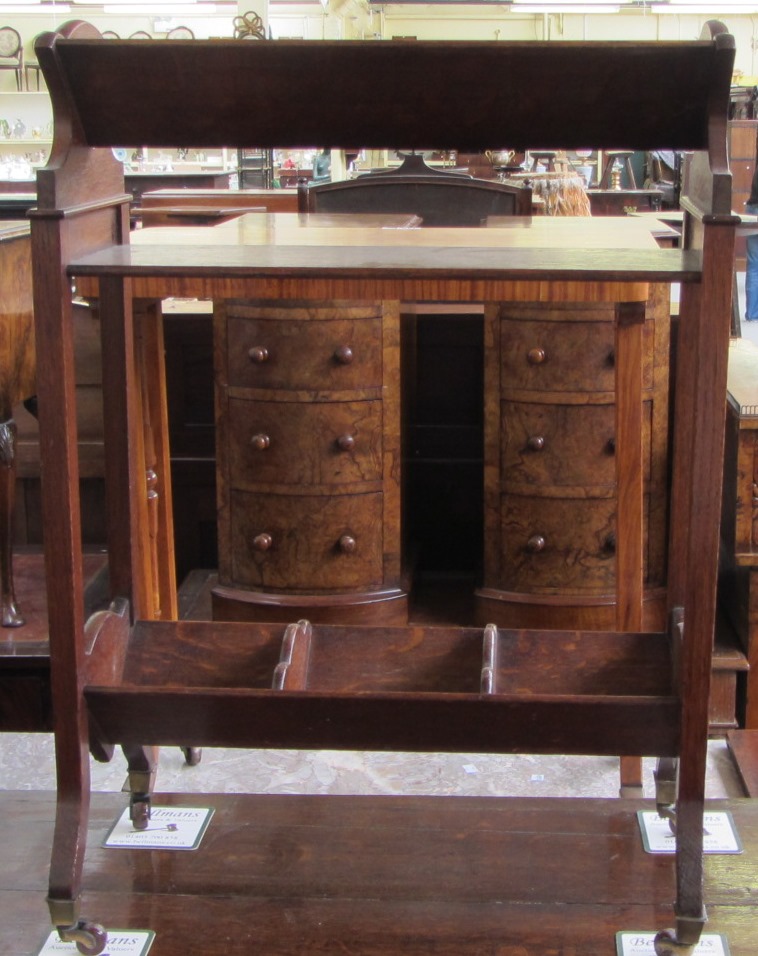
[
  {"x": 139, "y": 810},
  {"x": 90, "y": 938}
]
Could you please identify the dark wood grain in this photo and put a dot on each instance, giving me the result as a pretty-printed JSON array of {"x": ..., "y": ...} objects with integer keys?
[
  {"x": 524, "y": 81},
  {"x": 443, "y": 889},
  {"x": 422, "y": 94}
]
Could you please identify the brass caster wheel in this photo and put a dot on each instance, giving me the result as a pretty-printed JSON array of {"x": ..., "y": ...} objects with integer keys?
[
  {"x": 665, "y": 944},
  {"x": 192, "y": 755},
  {"x": 90, "y": 938},
  {"x": 139, "y": 812}
]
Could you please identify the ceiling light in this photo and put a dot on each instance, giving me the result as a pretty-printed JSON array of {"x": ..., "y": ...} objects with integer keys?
[
  {"x": 570, "y": 6},
  {"x": 709, "y": 5},
  {"x": 570, "y": 3},
  {"x": 176, "y": 7},
  {"x": 35, "y": 6},
  {"x": 706, "y": 8}
]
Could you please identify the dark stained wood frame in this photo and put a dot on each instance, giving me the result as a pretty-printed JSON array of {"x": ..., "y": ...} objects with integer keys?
[{"x": 108, "y": 677}]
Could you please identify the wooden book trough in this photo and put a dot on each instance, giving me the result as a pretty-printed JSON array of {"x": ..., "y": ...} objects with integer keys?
[{"x": 135, "y": 674}]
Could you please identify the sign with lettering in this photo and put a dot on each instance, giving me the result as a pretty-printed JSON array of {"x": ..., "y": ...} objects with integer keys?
[
  {"x": 121, "y": 942},
  {"x": 719, "y": 833},
  {"x": 641, "y": 944},
  {"x": 169, "y": 828}
]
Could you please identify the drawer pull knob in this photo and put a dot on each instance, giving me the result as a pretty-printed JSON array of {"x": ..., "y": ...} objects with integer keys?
[
  {"x": 262, "y": 542},
  {"x": 611, "y": 360},
  {"x": 535, "y": 356},
  {"x": 343, "y": 355},
  {"x": 347, "y": 544},
  {"x": 610, "y": 543},
  {"x": 260, "y": 442},
  {"x": 346, "y": 442},
  {"x": 611, "y": 446},
  {"x": 258, "y": 354},
  {"x": 536, "y": 544},
  {"x": 535, "y": 443}
]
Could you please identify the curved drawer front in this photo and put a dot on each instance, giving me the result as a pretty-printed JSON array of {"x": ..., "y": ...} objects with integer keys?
[
  {"x": 293, "y": 443},
  {"x": 306, "y": 542},
  {"x": 558, "y": 543},
  {"x": 327, "y": 355},
  {"x": 571, "y": 355},
  {"x": 560, "y": 446}
]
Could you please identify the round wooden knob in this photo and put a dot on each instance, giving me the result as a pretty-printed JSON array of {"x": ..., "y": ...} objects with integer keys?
[
  {"x": 346, "y": 442},
  {"x": 535, "y": 443},
  {"x": 610, "y": 446},
  {"x": 343, "y": 355},
  {"x": 258, "y": 354},
  {"x": 347, "y": 544},
  {"x": 262, "y": 542},
  {"x": 260, "y": 442},
  {"x": 536, "y": 544},
  {"x": 610, "y": 543},
  {"x": 535, "y": 356},
  {"x": 611, "y": 358}
]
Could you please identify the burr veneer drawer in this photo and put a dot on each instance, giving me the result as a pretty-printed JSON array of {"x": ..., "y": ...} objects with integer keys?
[
  {"x": 551, "y": 445},
  {"x": 566, "y": 544},
  {"x": 306, "y": 542},
  {"x": 328, "y": 355},
  {"x": 569, "y": 356},
  {"x": 294, "y": 443}
]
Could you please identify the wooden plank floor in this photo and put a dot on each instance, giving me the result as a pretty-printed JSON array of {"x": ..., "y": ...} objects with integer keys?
[{"x": 374, "y": 876}]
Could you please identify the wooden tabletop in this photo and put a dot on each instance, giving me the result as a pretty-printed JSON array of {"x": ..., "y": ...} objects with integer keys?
[{"x": 293, "y": 255}]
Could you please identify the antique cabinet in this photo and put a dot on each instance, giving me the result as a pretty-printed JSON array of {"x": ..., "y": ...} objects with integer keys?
[
  {"x": 551, "y": 507},
  {"x": 308, "y": 461},
  {"x": 738, "y": 577}
]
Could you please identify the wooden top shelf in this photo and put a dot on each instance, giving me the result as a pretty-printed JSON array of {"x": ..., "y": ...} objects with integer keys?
[{"x": 244, "y": 256}]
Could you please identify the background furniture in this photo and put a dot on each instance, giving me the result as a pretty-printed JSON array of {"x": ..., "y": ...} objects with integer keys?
[
  {"x": 309, "y": 493},
  {"x": 552, "y": 516},
  {"x": 439, "y": 198},
  {"x": 16, "y": 383},
  {"x": 741, "y": 139},
  {"x": 180, "y": 33},
  {"x": 12, "y": 54},
  {"x": 575, "y": 692},
  {"x": 738, "y": 580}
]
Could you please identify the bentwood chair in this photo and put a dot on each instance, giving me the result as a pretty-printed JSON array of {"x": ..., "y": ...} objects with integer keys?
[{"x": 12, "y": 53}]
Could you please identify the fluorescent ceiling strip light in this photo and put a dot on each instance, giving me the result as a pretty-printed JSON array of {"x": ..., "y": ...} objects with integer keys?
[
  {"x": 710, "y": 5},
  {"x": 572, "y": 7},
  {"x": 172, "y": 8},
  {"x": 570, "y": 3},
  {"x": 705, "y": 9},
  {"x": 21, "y": 6}
]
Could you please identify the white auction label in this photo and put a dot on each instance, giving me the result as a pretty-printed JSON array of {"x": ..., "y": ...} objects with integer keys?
[
  {"x": 719, "y": 833},
  {"x": 169, "y": 828},
  {"x": 641, "y": 944},
  {"x": 121, "y": 942}
]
